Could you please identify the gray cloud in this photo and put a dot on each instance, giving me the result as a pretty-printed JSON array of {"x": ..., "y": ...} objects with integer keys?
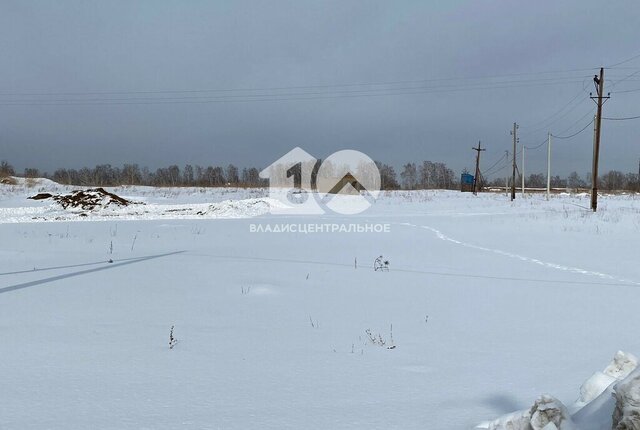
[{"x": 80, "y": 46}]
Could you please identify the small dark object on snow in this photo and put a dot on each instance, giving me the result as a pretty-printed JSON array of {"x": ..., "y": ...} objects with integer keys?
[
  {"x": 41, "y": 196},
  {"x": 172, "y": 340},
  {"x": 380, "y": 264},
  {"x": 110, "y": 261}
]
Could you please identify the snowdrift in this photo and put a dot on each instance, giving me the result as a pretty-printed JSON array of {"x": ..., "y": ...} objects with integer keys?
[
  {"x": 50, "y": 201},
  {"x": 609, "y": 399},
  {"x": 95, "y": 207}
]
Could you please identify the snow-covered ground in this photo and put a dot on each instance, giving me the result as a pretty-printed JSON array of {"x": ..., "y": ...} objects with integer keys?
[{"x": 489, "y": 304}]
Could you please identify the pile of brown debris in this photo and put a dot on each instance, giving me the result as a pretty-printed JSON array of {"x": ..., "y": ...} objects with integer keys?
[{"x": 85, "y": 199}]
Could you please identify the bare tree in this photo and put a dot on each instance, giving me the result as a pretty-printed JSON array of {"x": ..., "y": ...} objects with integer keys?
[
  {"x": 30, "y": 172},
  {"x": 130, "y": 174},
  {"x": 6, "y": 169},
  {"x": 187, "y": 175},
  {"x": 232, "y": 175},
  {"x": 575, "y": 181},
  {"x": 388, "y": 179},
  {"x": 613, "y": 180},
  {"x": 409, "y": 176}
]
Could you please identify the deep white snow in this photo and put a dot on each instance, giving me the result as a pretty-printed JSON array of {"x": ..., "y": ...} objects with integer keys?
[{"x": 489, "y": 304}]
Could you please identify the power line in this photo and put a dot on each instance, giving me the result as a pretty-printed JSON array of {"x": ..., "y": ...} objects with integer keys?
[
  {"x": 558, "y": 118},
  {"x": 625, "y": 91},
  {"x": 622, "y": 119},
  {"x": 590, "y": 112},
  {"x": 566, "y": 129},
  {"x": 226, "y": 95},
  {"x": 492, "y": 169},
  {"x": 496, "y": 169},
  {"x": 311, "y": 87},
  {"x": 266, "y": 97},
  {"x": 500, "y": 169},
  {"x": 537, "y": 146},
  {"x": 276, "y": 88},
  {"x": 489, "y": 172},
  {"x": 624, "y": 61},
  {"x": 495, "y": 164},
  {"x": 567, "y": 105},
  {"x": 574, "y": 134},
  {"x": 559, "y": 111},
  {"x": 625, "y": 78}
]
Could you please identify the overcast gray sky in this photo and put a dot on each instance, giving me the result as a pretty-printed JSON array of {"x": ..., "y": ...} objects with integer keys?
[{"x": 85, "y": 82}]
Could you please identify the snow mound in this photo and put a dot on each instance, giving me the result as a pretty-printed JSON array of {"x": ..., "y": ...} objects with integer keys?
[
  {"x": 89, "y": 205},
  {"x": 238, "y": 208},
  {"x": 594, "y": 407},
  {"x": 93, "y": 198},
  {"x": 28, "y": 182},
  {"x": 626, "y": 415},
  {"x": 8, "y": 180},
  {"x": 621, "y": 366},
  {"x": 547, "y": 413},
  {"x": 592, "y": 388},
  {"x": 520, "y": 420}
]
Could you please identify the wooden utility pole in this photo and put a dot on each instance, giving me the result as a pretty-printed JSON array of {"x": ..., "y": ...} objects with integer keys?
[
  {"x": 594, "y": 145},
  {"x": 477, "y": 176},
  {"x": 513, "y": 174},
  {"x": 506, "y": 178},
  {"x": 522, "y": 174},
  {"x": 549, "y": 166},
  {"x": 599, "y": 82}
]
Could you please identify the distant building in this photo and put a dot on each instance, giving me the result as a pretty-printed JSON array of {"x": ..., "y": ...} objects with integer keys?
[{"x": 466, "y": 183}]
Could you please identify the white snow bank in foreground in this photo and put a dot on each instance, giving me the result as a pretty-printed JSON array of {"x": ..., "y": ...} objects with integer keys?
[
  {"x": 546, "y": 413},
  {"x": 621, "y": 366},
  {"x": 594, "y": 408},
  {"x": 626, "y": 414}
]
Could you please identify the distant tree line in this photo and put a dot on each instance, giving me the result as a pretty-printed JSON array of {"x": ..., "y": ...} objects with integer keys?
[
  {"x": 105, "y": 175},
  {"x": 427, "y": 175},
  {"x": 414, "y": 176}
]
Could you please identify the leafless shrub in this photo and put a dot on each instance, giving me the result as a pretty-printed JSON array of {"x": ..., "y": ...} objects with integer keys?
[{"x": 172, "y": 340}]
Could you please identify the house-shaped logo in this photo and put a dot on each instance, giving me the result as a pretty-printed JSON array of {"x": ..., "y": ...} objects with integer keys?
[
  {"x": 347, "y": 182},
  {"x": 290, "y": 179}
]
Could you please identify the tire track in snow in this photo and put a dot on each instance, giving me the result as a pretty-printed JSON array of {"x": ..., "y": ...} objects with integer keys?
[{"x": 556, "y": 266}]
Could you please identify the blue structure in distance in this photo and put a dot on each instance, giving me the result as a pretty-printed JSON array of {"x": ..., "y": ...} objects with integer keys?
[{"x": 466, "y": 182}]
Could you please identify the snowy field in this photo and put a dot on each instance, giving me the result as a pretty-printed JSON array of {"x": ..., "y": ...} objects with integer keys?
[{"x": 487, "y": 304}]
